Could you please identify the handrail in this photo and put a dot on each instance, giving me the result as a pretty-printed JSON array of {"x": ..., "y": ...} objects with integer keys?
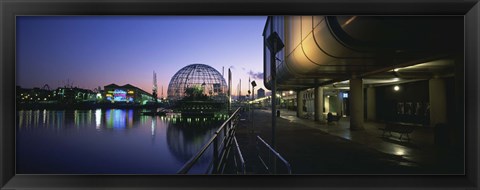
[
  {"x": 287, "y": 165},
  {"x": 187, "y": 166},
  {"x": 242, "y": 161}
]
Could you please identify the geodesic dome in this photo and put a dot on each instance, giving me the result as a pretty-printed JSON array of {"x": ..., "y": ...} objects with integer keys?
[{"x": 198, "y": 76}]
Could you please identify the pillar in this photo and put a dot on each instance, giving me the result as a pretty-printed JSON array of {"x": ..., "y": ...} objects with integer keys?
[
  {"x": 300, "y": 104},
  {"x": 340, "y": 110},
  {"x": 356, "y": 104},
  {"x": 438, "y": 101},
  {"x": 318, "y": 104},
  {"x": 371, "y": 104},
  {"x": 326, "y": 103}
]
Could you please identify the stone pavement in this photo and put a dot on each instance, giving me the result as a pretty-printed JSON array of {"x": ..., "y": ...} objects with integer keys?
[{"x": 319, "y": 148}]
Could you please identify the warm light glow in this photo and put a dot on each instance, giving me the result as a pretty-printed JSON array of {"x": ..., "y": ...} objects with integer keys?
[
  {"x": 395, "y": 70},
  {"x": 291, "y": 92},
  {"x": 349, "y": 21},
  {"x": 399, "y": 151},
  {"x": 396, "y": 88}
]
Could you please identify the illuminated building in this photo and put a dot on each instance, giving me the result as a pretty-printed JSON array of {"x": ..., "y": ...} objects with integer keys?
[
  {"x": 198, "y": 76},
  {"x": 126, "y": 94}
]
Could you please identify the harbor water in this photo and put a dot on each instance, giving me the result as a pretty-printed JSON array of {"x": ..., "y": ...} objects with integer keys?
[{"x": 109, "y": 141}]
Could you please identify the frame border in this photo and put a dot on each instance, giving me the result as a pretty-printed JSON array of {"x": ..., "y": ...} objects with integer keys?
[{"x": 11, "y": 8}]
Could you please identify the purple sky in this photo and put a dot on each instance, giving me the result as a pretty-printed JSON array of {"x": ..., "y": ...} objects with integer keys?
[{"x": 93, "y": 51}]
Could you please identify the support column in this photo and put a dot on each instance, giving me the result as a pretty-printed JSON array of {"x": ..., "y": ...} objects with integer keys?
[
  {"x": 438, "y": 101},
  {"x": 318, "y": 104},
  {"x": 356, "y": 104},
  {"x": 340, "y": 111},
  {"x": 371, "y": 104},
  {"x": 300, "y": 103},
  {"x": 326, "y": 103}
]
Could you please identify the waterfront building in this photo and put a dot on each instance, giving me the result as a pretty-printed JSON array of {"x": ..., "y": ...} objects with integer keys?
[
  {"x": 71, "y": 95},
  {"x": 64, "y": 95},
  {"x": 199, "y": 77},
  {"x": 364, "y": 68},
  {"x": 33, "y": 95},
  {"x": 126, "y": 94}
]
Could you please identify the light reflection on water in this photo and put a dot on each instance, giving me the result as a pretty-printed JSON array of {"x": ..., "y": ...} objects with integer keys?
[{"x": 116, "y": 141}]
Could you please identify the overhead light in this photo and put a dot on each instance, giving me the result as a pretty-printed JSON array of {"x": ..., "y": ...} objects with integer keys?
[
  {"x": 395, "y": 70},
  {"x": 396, "y": 88}
]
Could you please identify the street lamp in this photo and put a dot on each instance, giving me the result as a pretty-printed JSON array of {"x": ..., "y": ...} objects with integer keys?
[
  {"x": 275, "y": 45},
  {"x": 253, "y": 97}
]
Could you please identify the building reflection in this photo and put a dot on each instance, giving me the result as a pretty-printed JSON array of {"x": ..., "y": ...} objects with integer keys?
[
  {"x": 120, "y": 119},
  {"x": 110, "y": 119},
  {"x": 186, "y": 136}
]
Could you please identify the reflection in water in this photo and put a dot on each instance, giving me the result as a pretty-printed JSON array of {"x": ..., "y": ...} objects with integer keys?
[
  {"x": 154, "y": 123},
  {"x": 186, "y": 136},
  {"x": 98, "y": 118},
  {"x": 46, "y": 142}
]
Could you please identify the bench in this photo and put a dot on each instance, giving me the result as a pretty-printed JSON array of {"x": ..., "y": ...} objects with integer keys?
[
  {"x": 332, "y": 118},
  {"x": 400, "y": 128}
]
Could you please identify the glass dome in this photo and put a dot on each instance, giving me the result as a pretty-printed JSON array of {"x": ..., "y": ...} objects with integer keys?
[{"x": 199, "y": 76}]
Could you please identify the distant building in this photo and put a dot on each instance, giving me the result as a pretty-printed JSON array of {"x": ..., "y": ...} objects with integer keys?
[
  {"x": 65, "y": 95},
  {"x": 126, "y": 94},
  {"x": 260, "y": 93}
]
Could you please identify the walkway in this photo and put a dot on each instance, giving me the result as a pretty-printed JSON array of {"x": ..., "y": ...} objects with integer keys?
[{"x": 315, "y": 148}]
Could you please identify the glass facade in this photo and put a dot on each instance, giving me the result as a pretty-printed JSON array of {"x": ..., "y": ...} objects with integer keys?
[{"x": 198, "y": 76}]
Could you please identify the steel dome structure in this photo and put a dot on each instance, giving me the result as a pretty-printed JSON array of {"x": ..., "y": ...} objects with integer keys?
[{"x": 197, "y": 76}]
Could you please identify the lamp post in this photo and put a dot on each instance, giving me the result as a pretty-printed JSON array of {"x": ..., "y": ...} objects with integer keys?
[
  {"x": 274, "y": 44},
  {"x": 253, "y": 98}
]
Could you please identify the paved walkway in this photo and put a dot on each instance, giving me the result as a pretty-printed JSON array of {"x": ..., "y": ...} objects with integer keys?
[{"x": 315, "y": 148}]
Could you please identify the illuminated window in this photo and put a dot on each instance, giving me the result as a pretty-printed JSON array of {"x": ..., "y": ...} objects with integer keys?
[{"x": 120, "y": 95}]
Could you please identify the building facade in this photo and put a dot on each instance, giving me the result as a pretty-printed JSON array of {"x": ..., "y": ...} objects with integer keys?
[{"x": 126, "y": 94}]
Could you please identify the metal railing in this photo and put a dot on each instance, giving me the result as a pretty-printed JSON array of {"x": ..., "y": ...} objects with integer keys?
[
  {"x": 272, "y": 168},
  {"x": 238, "y": 159},
  {"x": 221, "y": 150}
]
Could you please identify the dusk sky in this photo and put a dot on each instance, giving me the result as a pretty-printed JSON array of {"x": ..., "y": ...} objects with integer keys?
[{"x": 93, "y": 51}]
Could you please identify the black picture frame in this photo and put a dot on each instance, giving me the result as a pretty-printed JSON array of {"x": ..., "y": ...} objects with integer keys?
[{"x": 11, "y": 8}]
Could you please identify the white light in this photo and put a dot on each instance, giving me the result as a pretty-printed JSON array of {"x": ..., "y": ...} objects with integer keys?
[
  {"x": 396, "y": 88},
  {"x": 395, "y": 70},
  {"x": 98, "y": 117},
  {"x": 291, "y": 92},
  {"x": 328, "y": 96}
]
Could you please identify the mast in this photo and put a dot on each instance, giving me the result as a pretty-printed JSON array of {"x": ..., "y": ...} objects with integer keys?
[{"x": 154, "y": 91}]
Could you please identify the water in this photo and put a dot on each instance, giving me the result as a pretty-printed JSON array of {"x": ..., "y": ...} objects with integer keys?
[{"x": 112, "y": 141}]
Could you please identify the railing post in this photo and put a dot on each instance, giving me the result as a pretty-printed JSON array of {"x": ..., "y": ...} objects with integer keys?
[{"x": 215, "y": 155}]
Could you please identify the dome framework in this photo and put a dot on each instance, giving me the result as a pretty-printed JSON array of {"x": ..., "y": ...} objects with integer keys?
[{"x": 199, "y": 76}]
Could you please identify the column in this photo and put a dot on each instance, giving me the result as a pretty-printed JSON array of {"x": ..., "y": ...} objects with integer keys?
[
  {"x": 326, "y": 104},
  {"x": 356, "y": 104},
  {"x": 300, "y": 103},
  {"x": 340, "y": 110},
  {"x": 371, "y": 104},
  {"x": 318, "y": 104},
  {"x": 438, "y": 101}
]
